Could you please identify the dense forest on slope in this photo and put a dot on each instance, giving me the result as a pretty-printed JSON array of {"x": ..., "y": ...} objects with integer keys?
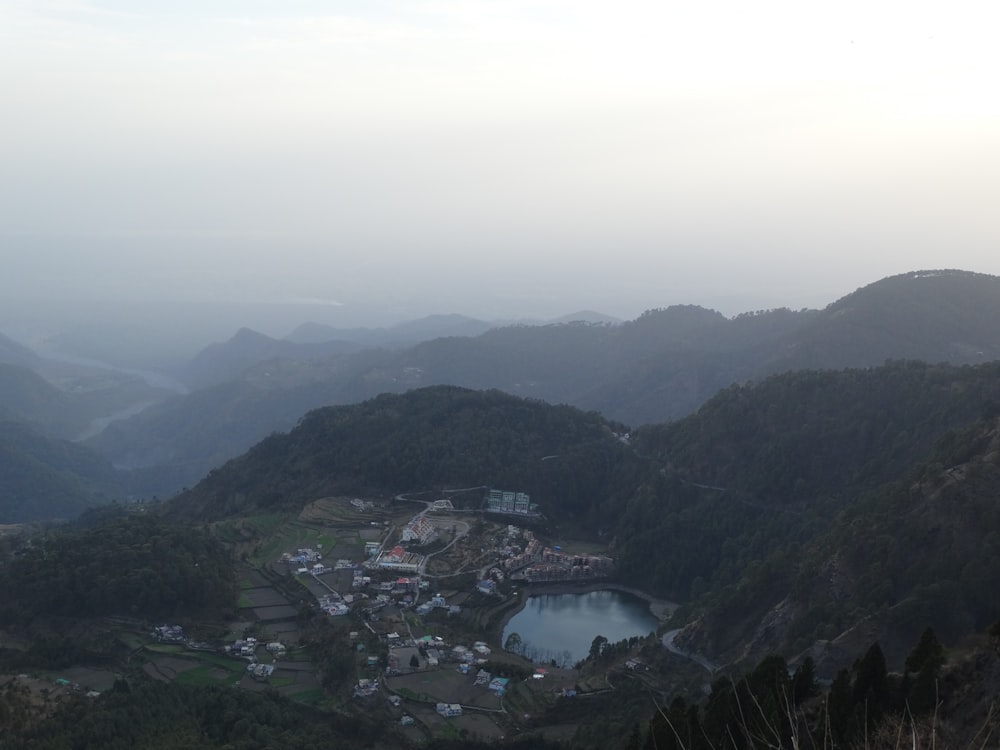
[
  {"x": 761, "y": 469},
  {"x": 804, "y": 439},
  {"x": 922, "y": 550},
  {"x": 137, "y": 566},
  {"x": 155, "y": 716},
  {"x": 45, "y": 478},
  {"x": 571, "y": 463}
]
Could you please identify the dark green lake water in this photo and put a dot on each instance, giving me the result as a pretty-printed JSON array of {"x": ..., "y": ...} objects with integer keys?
[{"x": 563, "y": 626}]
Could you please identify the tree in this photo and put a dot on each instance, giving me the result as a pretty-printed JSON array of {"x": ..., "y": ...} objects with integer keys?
[
  {"x": 513, "y": 643},
  {"x": 804, "y": 681},
  {"x": 414, "y": 662},
  {"x": 928, "y": 652},
  {"x": 597, "y": 646}
]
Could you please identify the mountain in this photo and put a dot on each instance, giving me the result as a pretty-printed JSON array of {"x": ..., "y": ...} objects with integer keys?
[
  {"x": 661, "y": 366},
  {"x": 742, "y": 510},
  {"x": 586, "y": 316},
  {"x": 223, "y": 362},
  {"x": 402, "y": 334},
  {"x": 572, "y": 463},
  {"x": 934, "y": 316},
  {"x": 13, "y": 353},
  {"x": 45, "y": 478},
  {"x": 27, "y": 397},
  {"x": 923, "y": 550}
]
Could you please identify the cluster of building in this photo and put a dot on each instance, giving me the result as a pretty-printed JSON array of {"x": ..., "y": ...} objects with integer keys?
[
  {"x": 333, "y": 605},
  {"x": 504, "y": 501},
  {"x": 555, "y": 565},
  {"x": 496, "y": 684},
  {"x": 303, "y": 556},
  {"x": 246, "y": 648},
  {"x": 514, "y": 557},
  {"x": 437, "y": 602},
  {"x": 169, "y": 634}
]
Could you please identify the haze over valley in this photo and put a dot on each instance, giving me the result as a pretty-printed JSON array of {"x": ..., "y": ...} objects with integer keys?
[{"x": 353, "y": 353}]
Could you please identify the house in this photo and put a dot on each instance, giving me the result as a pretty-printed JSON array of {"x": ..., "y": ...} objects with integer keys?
[
  {"x": 487, "y": 586},
  {"x": 499, "y": 685},
  {"x": 169, "y": 633},
  {"x": 260, "y": 671},
  {"x": 406, "y": 721},
  {"x": 365, "y": 688},
  {"x": 276, "y": 647},
  {"x": 395, "y": 700},
  {"x": 420, "y": 530},
  {"x": 483, "y": 677},
  {"x": 449, "y": 709},
  {"x": 539, "y": 674},
  {"x": 481, "y": 648}
]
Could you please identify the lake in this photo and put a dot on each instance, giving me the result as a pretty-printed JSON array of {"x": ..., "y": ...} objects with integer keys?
[{"x": 563, "y": 626}]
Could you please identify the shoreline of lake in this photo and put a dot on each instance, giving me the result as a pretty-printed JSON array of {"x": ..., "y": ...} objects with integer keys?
[{"x": 661, "y": 609}]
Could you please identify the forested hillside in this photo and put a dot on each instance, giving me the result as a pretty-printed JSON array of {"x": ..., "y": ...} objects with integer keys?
[
  {"x": 136, "y": 566},
  {"x": 661, "y": 366},
  {"x": 922, "y": 550},
  {"x": 571, "y": 463},
  {"x": 763, "y": 468},
  {"x": 729, "y": 497},
  {"x": 45, "y": 478}
]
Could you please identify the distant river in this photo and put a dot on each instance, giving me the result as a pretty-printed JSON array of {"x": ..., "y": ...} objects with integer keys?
[{"x": 563, "y": 626}]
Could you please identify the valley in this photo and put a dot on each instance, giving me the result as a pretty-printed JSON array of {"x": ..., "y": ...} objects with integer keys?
[{"x": 357, "y": 543}]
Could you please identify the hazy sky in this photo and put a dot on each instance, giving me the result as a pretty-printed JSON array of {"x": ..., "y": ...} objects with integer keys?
[{"x": 384, "y": 159}]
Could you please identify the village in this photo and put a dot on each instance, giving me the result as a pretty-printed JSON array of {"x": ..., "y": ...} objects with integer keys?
[{"x": 417, "y": 588}]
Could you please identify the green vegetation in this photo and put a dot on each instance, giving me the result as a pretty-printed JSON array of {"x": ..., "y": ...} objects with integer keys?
[
  {"x": 153, "y": 715},
  {"x": 429, "y": 438},
  {"x": 138, "y": 566},
  {"x": 45, "y": 478}
]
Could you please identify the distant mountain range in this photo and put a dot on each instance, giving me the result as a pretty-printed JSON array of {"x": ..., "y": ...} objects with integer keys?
[{"x": 662, "y": 366}]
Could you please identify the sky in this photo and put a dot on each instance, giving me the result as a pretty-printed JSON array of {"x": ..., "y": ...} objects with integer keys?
[{"x": 223, "y": 163}]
